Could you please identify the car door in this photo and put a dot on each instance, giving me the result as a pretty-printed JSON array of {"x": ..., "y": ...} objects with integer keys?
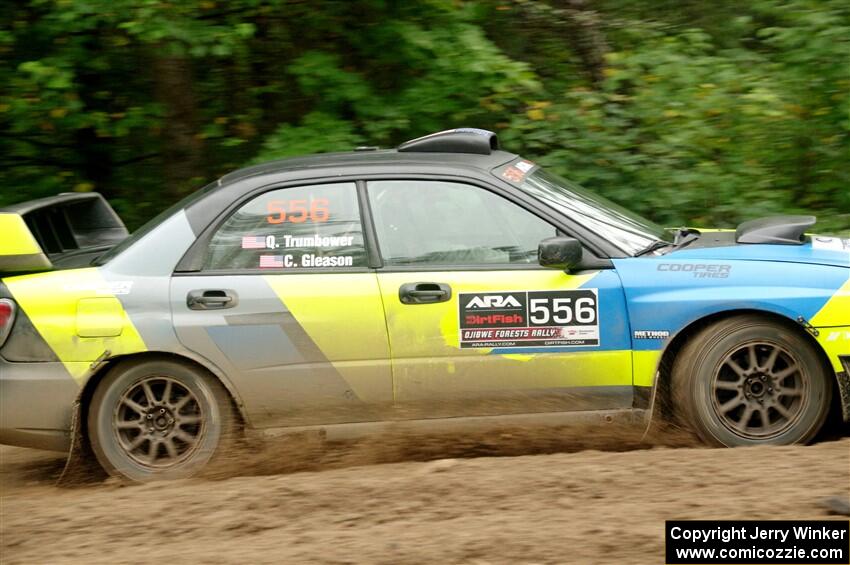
[
  {"x": 476, "y": 326},
  {"x": 286, "y": 306}
]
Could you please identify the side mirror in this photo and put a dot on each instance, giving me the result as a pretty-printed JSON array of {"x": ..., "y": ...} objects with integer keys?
[{"x": 559, "y": 253}]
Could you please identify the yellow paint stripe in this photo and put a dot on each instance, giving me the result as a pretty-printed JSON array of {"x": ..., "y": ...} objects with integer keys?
[
  {"x": 836, "y": 311},
  {"x": 419, "y": 378},
  {"x": 575, "y": 369},
  {"x": 344, "y": 316},
  {"x": 15, "y": 236},
  {"x": 51, "y": 302},
  {"x": 645, "y": 365},
  {"x": 835, "y": 341}
]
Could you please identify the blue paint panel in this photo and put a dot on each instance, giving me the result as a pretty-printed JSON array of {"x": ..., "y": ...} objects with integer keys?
[
  {"x": 614, "y": 332},
  {"x": 669, "y": 292},
  {"x": 254, "y": 347}
]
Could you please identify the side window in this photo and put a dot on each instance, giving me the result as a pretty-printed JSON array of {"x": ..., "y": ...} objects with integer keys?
[
  {"x": 305, "y": 227},
  {"x": 445, "y": 223}
]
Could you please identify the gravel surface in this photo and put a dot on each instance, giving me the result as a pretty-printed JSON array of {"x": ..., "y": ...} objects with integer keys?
[{"x": 586, "y": 506}]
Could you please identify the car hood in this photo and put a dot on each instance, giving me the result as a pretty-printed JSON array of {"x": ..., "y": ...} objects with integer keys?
[{"x": 721, "y": 245}]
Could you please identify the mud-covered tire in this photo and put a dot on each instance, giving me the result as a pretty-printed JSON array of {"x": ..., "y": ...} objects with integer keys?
[
  {"x": 158, "y": 420},
  {"x": 750, "y": 380}
]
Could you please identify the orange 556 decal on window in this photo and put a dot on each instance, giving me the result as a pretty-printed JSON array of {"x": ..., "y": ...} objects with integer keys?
[{"x": 297, "y": 211}]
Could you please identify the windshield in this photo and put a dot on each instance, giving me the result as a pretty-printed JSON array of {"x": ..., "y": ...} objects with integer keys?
[
  {"x": 628, "y": 231},
  {"x": 151, "y": 224}
]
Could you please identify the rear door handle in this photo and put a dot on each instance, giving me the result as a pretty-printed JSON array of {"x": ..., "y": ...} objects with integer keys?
[
  {"x": 212, "y": 299},
  {"x": 424, "y": 293}
]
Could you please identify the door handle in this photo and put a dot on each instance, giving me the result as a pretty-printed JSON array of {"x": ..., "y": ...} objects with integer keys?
[
  {"x": 424, "y": 293},
  {"x": 211, "y": 299}
]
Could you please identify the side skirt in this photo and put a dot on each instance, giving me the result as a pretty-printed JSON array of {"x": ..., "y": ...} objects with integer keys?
[{"x": 632, "y": 417}]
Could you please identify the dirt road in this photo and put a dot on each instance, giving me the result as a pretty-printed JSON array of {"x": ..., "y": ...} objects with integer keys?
[{"x": 581, "y": 507}]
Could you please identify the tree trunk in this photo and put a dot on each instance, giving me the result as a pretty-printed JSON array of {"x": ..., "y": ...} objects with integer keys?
[
  {"x": 586, "y": 36},
  {"x": 182, "y": 149}
]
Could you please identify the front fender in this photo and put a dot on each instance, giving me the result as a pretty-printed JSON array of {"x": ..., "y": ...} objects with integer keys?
[{"x": 665, "y": 295}]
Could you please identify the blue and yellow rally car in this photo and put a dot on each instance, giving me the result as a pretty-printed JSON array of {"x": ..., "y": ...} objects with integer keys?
[{"x": 443, "y": 282}]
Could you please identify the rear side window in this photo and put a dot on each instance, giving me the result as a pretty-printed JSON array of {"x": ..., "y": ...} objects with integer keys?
[{"x": 313, "y": 227}]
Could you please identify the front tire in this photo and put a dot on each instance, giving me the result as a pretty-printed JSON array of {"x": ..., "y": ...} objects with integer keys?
[
  {"x": 748, "y": 380},
  {"x": 158, "y": 420}
]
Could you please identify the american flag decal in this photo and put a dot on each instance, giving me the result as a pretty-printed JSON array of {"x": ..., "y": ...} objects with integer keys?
[
  {"x": 271, "y": 261},
  {"x": 253, "y": 242}
]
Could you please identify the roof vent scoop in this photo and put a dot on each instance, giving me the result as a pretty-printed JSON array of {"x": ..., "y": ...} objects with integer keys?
[
  {"x": 781, "y": 230},
  {"x": 460, "y": 140}
]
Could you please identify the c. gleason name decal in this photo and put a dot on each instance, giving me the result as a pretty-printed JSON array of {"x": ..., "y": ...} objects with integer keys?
[{"x": 305, "y": 260}]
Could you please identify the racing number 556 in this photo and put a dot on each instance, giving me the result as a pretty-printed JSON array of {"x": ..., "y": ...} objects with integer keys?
[
  {"x": 547, "y": 310},
  {"x": 318, "y": 211}
]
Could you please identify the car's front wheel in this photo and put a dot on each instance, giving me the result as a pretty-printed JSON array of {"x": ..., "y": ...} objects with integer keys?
[
  {"x": 748, "y": 380},
  {"x": 158, "y": 419}
]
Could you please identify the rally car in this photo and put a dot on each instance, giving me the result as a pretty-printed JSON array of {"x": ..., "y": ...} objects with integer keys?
[{"x": 442, "y": 282}]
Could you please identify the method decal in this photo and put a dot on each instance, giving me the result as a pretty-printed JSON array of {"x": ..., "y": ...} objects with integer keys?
[
  {"x": 651, "y": 334},
  {"x": 543, "y": 318}
]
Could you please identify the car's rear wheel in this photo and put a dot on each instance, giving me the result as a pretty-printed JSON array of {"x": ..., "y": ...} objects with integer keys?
[
  {"x": 158, "y": 419},
  {"x": 748, "y": 380}
]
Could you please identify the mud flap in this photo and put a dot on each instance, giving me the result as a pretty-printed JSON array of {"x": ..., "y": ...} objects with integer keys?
[
  {"x": 843, "y": 380},
  {"x": 656, "y": 418},
  {"x": 81, "y": 466},
  {"x": 662, "y": 426}
]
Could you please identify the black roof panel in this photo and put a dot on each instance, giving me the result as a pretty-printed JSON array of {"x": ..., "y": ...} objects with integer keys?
[{"x": 370, "y": 158}]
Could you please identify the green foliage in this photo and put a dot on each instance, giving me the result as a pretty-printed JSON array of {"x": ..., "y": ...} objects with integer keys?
[
  {"x": 707, "y": 114},
  {"x": 690, "y": 128},
  {"x": 317, "y": 133}
]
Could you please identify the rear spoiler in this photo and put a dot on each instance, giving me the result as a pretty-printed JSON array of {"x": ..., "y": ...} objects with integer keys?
[{"x": 64, "y": 231}]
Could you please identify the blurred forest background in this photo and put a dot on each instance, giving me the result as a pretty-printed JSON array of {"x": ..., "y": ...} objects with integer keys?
[{"x": 689, "y": 111}]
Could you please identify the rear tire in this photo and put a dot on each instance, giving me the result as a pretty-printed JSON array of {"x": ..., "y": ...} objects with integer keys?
[
  {"x": 749, "y": 380},
  {"x": 158, "y": 420}
]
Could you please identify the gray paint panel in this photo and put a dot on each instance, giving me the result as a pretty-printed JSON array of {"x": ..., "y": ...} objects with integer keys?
[
  {"x": 36, "y": 400},
  {"x": 279, "y": 372},
  {"x": 157, "y": 253},
  {"x": 147, "y": 267}
]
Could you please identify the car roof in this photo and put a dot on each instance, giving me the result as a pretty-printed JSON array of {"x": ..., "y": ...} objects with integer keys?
[{"x": 371, "y": 157}]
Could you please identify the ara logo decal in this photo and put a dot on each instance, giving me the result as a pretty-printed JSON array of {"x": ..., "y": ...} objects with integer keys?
[
  {"x": 838, "y": 336},
  {"x": 494, "y": 301}
]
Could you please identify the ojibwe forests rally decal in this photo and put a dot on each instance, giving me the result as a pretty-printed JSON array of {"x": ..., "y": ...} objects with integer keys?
[{"x": 543, "y": 318}]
